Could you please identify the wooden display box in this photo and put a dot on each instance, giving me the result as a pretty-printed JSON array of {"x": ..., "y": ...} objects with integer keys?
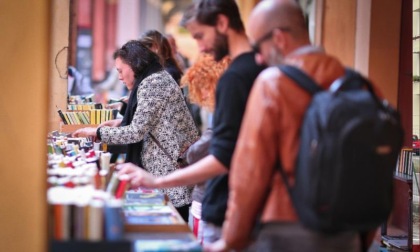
[
  {"x": 69, "y": 128},
  {"x": 181, "y": 227},
  {"x": 400, "y": 223}
]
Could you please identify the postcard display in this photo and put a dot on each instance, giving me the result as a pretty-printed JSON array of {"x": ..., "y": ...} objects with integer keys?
[{"x": 91, "y": 208}]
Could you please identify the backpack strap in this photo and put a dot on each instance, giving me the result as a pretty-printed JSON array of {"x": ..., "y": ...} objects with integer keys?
[
  {"x": 284, "y": 177},
  {"x": 309, "y": 85},
  {"x": 301, "y": 78},
  {"x": 349, "y": 81}
]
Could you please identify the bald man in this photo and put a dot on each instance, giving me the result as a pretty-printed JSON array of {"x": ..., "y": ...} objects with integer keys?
[{"x": 270, "y": 133}]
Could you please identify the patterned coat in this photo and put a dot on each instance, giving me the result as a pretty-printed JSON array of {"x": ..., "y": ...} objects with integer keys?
[{"x": 161, "y": 111}]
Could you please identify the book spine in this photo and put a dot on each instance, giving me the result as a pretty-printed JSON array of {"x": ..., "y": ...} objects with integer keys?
[
  {"x": 92, "y": 117},
  {"x": 76, "y": 118},
  {"x": 60, "y": 113},
  {"x": 79, "y": 222},
  {"x": 114, "y": 222},
  {"x": 67, "y": 118},
  {"x": 122, "y": 187},
  {"x": 113, "y": 184},
  {"x": 95, "y": 223},
  {"x": 98, "y": 116},
  {"x": 61, "y": 222}
]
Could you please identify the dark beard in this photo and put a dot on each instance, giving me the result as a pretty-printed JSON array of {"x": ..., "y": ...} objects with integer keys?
[{"x": 221, "y": 46}]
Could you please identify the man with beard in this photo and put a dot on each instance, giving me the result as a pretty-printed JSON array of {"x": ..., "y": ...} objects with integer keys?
[
  {"x": 270, "y": 136},
  {"x": 217, "y": 27}
]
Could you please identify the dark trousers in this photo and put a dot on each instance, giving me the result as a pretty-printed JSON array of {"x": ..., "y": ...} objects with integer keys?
[
  {"x": 184, "y": 211},
  {"x": 293, "y": 237}
]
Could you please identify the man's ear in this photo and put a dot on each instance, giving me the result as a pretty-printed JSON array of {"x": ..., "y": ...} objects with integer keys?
[
  {"x": 222, "y": 24},
  {"x": 280, "y": 39}
]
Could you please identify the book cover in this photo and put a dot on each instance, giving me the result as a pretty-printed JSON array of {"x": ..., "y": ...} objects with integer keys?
[
  {"x": 167, "y": 245},
  {"x": 150, "y": 198},
  {"x": 143, "y": 210},
  {"x": 399, "y": 241},
  {"x": 151, "y": 220}
]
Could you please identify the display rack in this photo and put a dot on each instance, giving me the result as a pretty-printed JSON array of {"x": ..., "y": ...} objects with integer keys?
[{"x": 402, "y": 215}]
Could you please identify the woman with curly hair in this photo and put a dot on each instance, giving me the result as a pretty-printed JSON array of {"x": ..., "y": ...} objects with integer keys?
[{"x": 201, "y": 79}]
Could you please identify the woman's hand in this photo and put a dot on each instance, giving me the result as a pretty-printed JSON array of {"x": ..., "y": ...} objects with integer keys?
[
  {"x": 85, "y": 132},
  {"x": 116, "y": 105},
  {"x": 124, "y": 99},
  {"x": 111, "y": 123},
  {"x": 137, "y": 176}
]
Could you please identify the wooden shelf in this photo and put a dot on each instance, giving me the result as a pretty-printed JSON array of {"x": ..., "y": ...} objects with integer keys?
[
  {"x": 90, "y": 246},
  {"x": 182, "y": 227},
  {"x": 403, "y": 177},
  {"x": 400, "y": 222}
]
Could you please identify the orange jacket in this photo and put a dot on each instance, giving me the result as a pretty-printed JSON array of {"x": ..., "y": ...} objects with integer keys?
[{"x": 270, "y": 131}]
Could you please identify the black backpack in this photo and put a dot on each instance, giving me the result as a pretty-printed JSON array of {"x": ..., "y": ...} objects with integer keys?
[{"x": 349, "y": 145}]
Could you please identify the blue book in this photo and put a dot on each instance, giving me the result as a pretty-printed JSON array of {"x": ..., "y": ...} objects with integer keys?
[{"x": 114, "y": 220}]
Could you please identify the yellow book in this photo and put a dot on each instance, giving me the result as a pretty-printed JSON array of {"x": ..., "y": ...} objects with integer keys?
[
  {"x": 103, "y": 115},
  {"x": 108, "y": 115},
  {"x": 92, "y": 116},
  {"x": 98, "y": 116}
]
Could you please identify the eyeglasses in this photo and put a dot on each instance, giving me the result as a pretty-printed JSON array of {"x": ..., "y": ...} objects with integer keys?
[{"x": 256, "y": 46}]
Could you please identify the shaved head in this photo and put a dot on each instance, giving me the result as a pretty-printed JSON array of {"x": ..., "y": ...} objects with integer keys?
[
  {"x": 270, "y": 14},
  {"x": 276, "y": 28}
]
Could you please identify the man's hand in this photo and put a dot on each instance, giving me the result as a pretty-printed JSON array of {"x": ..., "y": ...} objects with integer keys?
[
  {"x": 218, "y": 246},
  {"x": 85, "y": 132},
  {"x": 137, "y": 176}
]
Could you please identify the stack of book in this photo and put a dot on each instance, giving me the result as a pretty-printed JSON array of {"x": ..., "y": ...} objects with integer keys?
[
  {"x": 85, "y": 198},
  {"x": 93, "y": 116},
  {"x": 174, "y": 241},
  {"x": 149, "y": 210},
  {"x": 395, "y": 242},
  {"x": 405, "y": 162}
]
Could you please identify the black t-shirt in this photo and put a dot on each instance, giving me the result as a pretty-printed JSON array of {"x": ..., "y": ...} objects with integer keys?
[{"x": 231, "y": 96}]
